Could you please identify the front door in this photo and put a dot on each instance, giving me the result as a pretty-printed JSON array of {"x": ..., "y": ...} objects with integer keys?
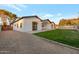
[{"x": 34, "y": 26}]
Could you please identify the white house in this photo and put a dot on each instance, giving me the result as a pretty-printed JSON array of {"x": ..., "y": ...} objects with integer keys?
[
  {"x": 47, "y": 24},
  {"x": 32, "y": 24},
  {"x": 28, "y": 24}
]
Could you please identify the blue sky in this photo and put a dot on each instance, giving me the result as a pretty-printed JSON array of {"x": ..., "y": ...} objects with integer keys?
[{"x": 54, "y": 12}]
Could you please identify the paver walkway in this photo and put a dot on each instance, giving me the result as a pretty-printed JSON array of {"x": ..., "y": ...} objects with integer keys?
[{"x": 18, "y": 42}]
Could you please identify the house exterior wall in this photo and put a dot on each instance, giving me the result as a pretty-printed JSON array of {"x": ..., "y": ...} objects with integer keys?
[
  {"x": 27, "y": 24},
  {"x": 53, "y": 26},
  {"x": 48, "y": 26},
  {"x": 16, "y": 25}
]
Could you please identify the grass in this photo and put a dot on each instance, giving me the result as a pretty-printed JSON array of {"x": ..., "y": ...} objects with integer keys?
[{"x": 69, "y": 37}]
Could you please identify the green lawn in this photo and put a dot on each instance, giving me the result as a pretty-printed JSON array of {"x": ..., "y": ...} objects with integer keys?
[{"x": 70, "y": 37}]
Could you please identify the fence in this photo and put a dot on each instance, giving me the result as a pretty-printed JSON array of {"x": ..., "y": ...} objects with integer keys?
[{"x": 68, "y": 27}]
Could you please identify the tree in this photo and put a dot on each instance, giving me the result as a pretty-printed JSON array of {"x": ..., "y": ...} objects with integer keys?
[
  {"x": 10, "y": 14},
  {"x": 74, "y": 21},
  {"x": 68, "y": 22},
  {"x": 62, "y": 22}
]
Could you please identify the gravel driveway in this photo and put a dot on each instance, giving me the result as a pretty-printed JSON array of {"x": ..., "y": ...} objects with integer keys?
[{"x": 23, "y": 43}]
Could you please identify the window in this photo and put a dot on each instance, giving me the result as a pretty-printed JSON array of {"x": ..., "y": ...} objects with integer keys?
[{"x": 20, "y": 25}]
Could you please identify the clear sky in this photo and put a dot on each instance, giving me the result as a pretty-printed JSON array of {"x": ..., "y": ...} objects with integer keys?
[{"x": 54, "y": 12}]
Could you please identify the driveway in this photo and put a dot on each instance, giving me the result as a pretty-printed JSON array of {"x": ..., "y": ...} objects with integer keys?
[{"x": 25, "y": 43}]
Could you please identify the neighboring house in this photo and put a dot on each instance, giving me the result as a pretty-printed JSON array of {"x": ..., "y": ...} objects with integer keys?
[
  {"x": 4, "y": 22},
  {"x": 4, "y": 19},
  {"x": 47, "y": 24},
  {"x": 27, "y": 24}
]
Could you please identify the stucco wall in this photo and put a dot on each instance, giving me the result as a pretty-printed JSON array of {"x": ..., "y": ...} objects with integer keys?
[
  {"x": 15, "y": 25},
  {"x": 27, "y": 24},
  {"x": 48, "y": 26}
]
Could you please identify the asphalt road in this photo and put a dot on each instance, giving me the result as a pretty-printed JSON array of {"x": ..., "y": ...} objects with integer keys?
[{"x": 13, "y": 42}]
